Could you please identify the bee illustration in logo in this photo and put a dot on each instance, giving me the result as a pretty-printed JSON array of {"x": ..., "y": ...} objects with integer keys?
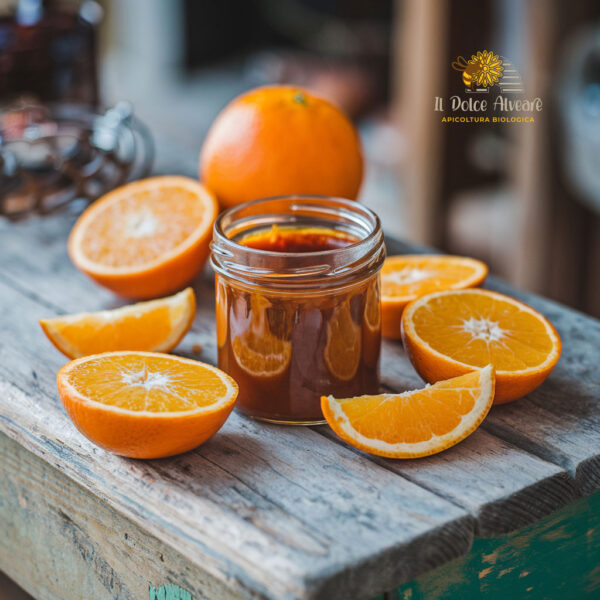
[
  {"x": 470, "y": 70},
  {"x": 482, "y": 70}
]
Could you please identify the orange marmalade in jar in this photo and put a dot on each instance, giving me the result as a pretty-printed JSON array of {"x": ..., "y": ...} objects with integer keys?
[{"x": 298, "y": 303}]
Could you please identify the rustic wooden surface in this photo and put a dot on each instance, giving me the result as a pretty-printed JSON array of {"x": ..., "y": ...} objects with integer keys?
[
  {"x": 61, "y": 541},
  {"x": 263, "y": 511}
]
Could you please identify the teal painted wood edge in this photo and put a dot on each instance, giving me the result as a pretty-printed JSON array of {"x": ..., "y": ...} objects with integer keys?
[
  {"x": 169, "y": 592},
  {"x": 556, "y": 558}
]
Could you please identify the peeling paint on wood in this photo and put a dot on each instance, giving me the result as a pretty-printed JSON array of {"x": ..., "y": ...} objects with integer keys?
[
  {"x": 169, "y": 592},
  {"x": 559, "y": 557}
]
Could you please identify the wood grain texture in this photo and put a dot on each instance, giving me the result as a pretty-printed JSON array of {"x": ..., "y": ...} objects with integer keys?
[
  {"x": 61, "y": 542},
  {"x": 560, "y": 421},
  {"x": 503, "y": 487},
  {"x": 269, "y": 511},
  {"x": 481, "y": 481},
  {"x": 276, "y": 516}
]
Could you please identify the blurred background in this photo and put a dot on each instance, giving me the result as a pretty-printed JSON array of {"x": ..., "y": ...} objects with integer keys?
[{"x": 523, "y": 197}]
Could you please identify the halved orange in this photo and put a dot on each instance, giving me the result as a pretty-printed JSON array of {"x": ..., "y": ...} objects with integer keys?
[
  {"x": 145, "y": 404},
  {"x": 147, "y": 238},
  {"x": 416, "y": 423},
  {"x": 407, "y": 277},
  {"x": 153, "y": 326},
  {"x": 449, "y": 333}
]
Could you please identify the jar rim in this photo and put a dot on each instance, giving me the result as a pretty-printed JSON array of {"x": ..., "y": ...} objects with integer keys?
[
  {"x": 303, "y": 197},
  {"x": 237, "y": 261}
]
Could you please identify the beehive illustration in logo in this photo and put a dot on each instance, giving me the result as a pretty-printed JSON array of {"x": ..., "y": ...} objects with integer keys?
[{"x": 486, "y": 69}]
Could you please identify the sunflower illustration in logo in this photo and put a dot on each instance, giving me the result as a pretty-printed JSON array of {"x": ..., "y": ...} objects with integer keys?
[{"x": 482, "y": 70}]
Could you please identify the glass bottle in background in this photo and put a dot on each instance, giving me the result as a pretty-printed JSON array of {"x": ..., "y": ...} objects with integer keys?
[{"x": 48, "y": 52}]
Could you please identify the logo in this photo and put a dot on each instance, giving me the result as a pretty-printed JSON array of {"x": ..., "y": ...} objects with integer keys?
[
  {"x": 491, "y": 82},
  {"x": 485, "y": 70}
]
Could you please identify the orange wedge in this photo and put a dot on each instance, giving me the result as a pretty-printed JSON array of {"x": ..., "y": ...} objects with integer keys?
[
  {"x": 154, "y": 326},
  {"x": 449, "y": 333},
  {"x": 144, "y": 404},
  {"x": 145, "y": 239},
  {"x": 417, "y": 423},
  {"x": 407, "y": 277}
]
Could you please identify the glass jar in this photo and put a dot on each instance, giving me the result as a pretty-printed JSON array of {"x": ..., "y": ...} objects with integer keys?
[{"x": 298, "y": 303}]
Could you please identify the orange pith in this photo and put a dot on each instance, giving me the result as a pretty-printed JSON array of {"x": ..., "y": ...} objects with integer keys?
[
  {"x": 407, "y": 277},
  {"x": 145, "y": 404},
  {"x": 448, "y": 333},
  {"x": 147, "y": 238},
  {"x": 415, "y": 423},
  {"x": 154, "y": 326}
]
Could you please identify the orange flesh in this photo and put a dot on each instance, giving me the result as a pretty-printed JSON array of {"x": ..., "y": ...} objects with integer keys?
[
  {"x": 152, "y": 383},
  {"x": 142, "y": 226},
  {"x": 523, "y": 340},
  {"x": 120, "y": 335},
  {"x": 408, "y": 277},
  {"x": 152, "y": 326},
  {"x": 298, "y": 239},
  {"x": 416, "y": 416}
]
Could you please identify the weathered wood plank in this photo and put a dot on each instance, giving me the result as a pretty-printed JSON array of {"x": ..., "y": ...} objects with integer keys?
[
  {"x": 309, "y": 532},
  {"x": 560, "y": 421},
  {"x": 502, "y": 486},
  {"x": 276, "y": 511},
  {"x": 61, "y": 542}
]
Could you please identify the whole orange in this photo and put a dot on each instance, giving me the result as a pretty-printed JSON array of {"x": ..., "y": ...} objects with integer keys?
[{"x": 279, "y": 140}]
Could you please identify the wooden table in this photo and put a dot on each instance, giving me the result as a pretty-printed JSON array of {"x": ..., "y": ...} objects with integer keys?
[{"x": 262, "y": 511}]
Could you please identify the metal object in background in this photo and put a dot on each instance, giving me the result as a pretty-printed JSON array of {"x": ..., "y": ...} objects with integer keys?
[{"x": 51, "y": 156}]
